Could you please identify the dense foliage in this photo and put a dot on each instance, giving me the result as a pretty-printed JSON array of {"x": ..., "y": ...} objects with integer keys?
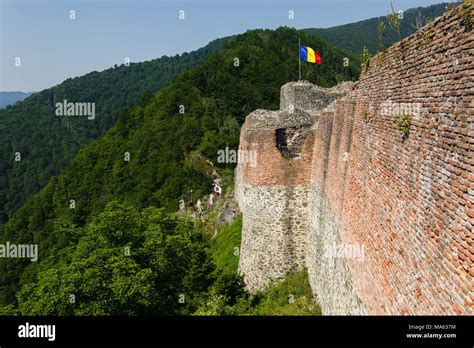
[
  {"x": 47, "y": 142},
  {"x": 226, "y": 296},
  {"x": 131, "y": 262},
  {"x": 145, "y": 159},
  {"x": 292, "y": 296},
  {"x": 354, "y": 37},
  {"x": 125, "y": 262}
]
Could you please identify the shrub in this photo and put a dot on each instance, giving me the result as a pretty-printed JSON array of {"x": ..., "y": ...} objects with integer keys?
[{"x": 404, "y": 124}]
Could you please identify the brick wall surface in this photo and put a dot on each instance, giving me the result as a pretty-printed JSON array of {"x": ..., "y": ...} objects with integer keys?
[{"x": 407, "y": 201}]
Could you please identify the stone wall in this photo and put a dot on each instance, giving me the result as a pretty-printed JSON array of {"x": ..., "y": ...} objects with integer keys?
[
  {"x": 273, "y": 192},
  {"x": 330, "y": 277},
  {"x": 310, "y": 98},
  {"x": 405, "y": 200},
  {"x": 274, "y": 232}
]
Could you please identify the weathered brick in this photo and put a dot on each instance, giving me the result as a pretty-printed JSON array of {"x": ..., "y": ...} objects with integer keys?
[{"x": 409, "y": 202}]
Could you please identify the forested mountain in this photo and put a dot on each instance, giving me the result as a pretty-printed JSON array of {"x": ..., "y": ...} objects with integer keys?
[
  {"x": 354, "y": 37},
  {"x": 8, "y": 98},
  {"x": 154, "y": 154},
  {"x": 47, "y": 143}
]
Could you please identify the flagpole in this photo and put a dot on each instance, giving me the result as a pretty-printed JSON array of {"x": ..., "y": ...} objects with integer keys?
[{"x": 299, "y": 58}]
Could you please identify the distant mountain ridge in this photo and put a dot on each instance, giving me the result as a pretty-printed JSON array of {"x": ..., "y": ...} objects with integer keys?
[
  {"x": 55, "y": 141},
  {"x": 46, "y": 143},
  {"x": 158, "y": 150},
  {"x": 9, "y": 98},
  {"x": 353, "y": 37}
]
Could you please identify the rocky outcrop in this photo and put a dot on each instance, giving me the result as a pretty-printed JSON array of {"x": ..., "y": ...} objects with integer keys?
[{"x": 229, "y": 212}]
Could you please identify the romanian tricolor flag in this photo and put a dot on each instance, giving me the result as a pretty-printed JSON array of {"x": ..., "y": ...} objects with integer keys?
[{"x": 307, "y": 54}]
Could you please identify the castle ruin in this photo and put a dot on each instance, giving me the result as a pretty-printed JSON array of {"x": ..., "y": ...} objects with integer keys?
[{"x": 384, "y": 166}]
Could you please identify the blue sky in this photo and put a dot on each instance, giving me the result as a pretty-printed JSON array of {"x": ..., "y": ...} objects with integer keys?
[{"x": 52, "y": 47}]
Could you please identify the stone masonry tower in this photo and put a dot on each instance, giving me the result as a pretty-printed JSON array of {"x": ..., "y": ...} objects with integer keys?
[{"x": 273, "y": 191}]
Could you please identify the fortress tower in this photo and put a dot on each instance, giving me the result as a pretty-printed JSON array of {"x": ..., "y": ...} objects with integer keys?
[{"x": 273, "y": 192}]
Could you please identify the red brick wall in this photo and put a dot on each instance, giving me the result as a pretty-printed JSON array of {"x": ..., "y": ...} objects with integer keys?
[
  {"x": 409, "y": 202},
  {"x": 272, "y": 168}
]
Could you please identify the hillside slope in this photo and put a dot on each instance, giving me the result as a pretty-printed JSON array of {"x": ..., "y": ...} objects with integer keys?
[
  {"x": 354, "y": 37},
  {"x": 47, "y": 143}
]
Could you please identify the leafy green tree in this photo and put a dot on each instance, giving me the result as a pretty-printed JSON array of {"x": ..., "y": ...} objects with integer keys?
[{"x": 126, "y": 263}]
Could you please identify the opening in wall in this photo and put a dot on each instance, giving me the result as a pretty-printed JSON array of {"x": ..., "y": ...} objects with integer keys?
[{"x": 290, "y": 141}]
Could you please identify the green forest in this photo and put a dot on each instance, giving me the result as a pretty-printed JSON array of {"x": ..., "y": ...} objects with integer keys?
[
  {"x": 47, "y": 143},
  {"x": 354, "y": 37},
  {"x": 109, "y": 239},
  {"x": 131, "y": 262}
]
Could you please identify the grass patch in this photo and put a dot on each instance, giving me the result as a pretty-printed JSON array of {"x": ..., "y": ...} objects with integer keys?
[
  {"x": 227, "y": 296},
  {"x": 226, "y": 247},
  {"x": 292, "y": 296}
]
